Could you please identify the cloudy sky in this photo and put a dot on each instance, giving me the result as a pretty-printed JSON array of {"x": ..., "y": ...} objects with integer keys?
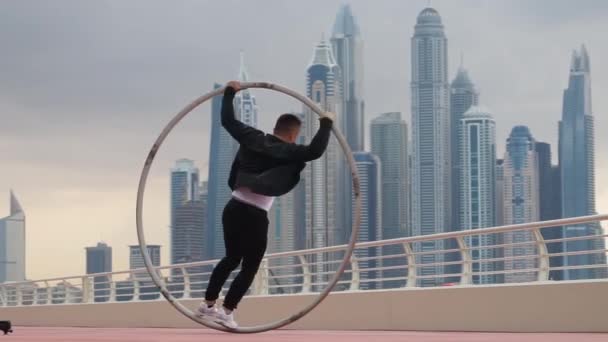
[{"x": 86, "y": 86}]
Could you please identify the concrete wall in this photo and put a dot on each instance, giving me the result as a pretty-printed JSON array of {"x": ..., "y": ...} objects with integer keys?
[{"x": 548, "y": 307}]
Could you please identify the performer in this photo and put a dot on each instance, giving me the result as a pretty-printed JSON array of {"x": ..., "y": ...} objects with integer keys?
[{"x": 266, "y": 166}]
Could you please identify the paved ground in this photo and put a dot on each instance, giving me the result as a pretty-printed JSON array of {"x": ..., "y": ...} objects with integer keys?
[{"x": 187, "y": 335}]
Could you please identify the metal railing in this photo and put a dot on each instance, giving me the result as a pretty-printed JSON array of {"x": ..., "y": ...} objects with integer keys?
[{"x": 566, "y": 249}]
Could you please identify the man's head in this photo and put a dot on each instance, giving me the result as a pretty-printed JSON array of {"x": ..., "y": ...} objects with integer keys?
[{"x": 287, "y": 127}]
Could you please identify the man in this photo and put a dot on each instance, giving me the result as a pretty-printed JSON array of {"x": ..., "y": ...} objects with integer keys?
[{"x": 266, "y": 166}]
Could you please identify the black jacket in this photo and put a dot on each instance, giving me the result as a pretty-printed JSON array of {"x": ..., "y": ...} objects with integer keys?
[{"x": 264, "y": 163}]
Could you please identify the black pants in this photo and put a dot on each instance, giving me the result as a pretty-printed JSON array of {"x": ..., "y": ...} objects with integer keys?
[{"x": 245, "y": 238}]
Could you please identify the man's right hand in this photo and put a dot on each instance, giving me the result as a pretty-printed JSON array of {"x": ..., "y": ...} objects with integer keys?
[
  {"x": 236, "y": 85},
  {"x": 330, "y": 115}
]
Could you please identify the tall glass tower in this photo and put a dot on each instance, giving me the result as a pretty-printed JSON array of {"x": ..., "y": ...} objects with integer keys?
[
  {"x": 431, "y": 211},
  {"x": 389, "y": 140},
  {"x": 477, "y": 141},
  {"x": 321, "y": 178},
  {"x": 12, "y": 243},
  {"x": 577, "y": 163},
  {"x": 521, "y": 202},
  {"x": 184, "y": 192},
  {"x": 222, "y": 151},
  {"x": 347, "y": 48},
  {"x": 463, "y": 95},
  {"x": 369, "y": 170}
]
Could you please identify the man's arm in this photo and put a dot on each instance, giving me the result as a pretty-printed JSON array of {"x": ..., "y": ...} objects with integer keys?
[{"x": 244, "y": 134}]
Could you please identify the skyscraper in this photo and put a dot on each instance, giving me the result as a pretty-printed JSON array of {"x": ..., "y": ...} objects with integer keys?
[
  {"x": 389, "y": 142},
  {"x": 550, "y": 206},
  {"x": 223, "y": 148},
  {"x": 431, "y": 137},
  {"x": 185, "y": 195},
  {"x": 221, "y": 154},
  {"x": 322, "y": 207},
  {"x": 99, "y": 260},
  {"x": 347, "y": 48},
  {"x": 463, "y": 95},
  {"x": 245, "y": 105},
  {"x": 184, "y": 184},
  {"x": 477, "y": 141},
  {"x": 136, "y": 260},
  {"x": 577, "y": 163},
  {"x": 187, "y": 235},
  {"x": 521, "y": 202},
  {"x": 370, "y": 174},
  {"x": 321, "y": 176},
  {"x": 12, "y": 243}
]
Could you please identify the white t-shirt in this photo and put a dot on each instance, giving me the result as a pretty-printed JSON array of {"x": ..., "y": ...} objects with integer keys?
[{"x": 259, "y": 201}]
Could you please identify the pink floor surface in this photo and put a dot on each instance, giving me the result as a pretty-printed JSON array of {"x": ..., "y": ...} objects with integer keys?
[{"x": 186, "y": 335}]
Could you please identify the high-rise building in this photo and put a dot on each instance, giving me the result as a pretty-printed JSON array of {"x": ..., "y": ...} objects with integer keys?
[
  {"x": 477, "y": 141},
  {"x": 521, "y": 203},
  {"x": 323, "y": 88},
  {"x": 321, "y": 177},
  {"x": 12, "y": 243},
  {"x": 99, "y": 260},
  {"x": 188, "y": 232},
  {"x": 245, "y": 105},
  {"x": 370, "y": 175},
  {"x": 347, "y": 48},
  {"x": 431, "y": 211},
  {"x": 389, "y": 140},
  {"x": 184, "y": 193},
  {"x": 577, "y": 163},
  {"x": 221, "y": 155},
  {"x": 136, "y": 260},
  {"x": 550, "y": 205},
  {"x": 184, "y": 184},
  {"x": 463, "y": 95}
]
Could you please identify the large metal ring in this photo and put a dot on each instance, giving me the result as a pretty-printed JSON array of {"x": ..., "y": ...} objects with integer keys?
[{"x": 139, "y": 209}]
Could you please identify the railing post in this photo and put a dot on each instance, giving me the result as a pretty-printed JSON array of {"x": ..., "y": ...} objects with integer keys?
[
  {"x": 467, "y": 268},
  {"x": 49, "y": 294},
  {"x": 543, "y": 253},
  {"x": 260, "y": 282},
  {"x": 187, "y": 289},
  {"x": 135, "y": 289},
  {"x": 3, "y": 295},
  {"x": 355, "y": 280},
  {"x": 86, "y": 290},
  {"x": 307, "y": 276},
  {"x": 19, "y": 295},
  {"x": 112, "y": 289},
  {"x": 412, "y": 271}
]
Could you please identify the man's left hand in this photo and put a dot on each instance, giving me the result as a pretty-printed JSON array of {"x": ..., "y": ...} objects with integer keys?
[{"x": 236, "y": 85}]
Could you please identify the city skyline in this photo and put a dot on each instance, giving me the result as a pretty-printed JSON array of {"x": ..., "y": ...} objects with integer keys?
[{"x": 534, "y": 100}]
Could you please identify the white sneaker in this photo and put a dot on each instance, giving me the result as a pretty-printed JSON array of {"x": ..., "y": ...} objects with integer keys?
[
  {"x": 225, "y": 319},
  {"x": 207, "y": 312}
]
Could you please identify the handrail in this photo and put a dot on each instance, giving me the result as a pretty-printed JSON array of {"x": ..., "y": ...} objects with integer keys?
[{"x": 305, "y": 275}]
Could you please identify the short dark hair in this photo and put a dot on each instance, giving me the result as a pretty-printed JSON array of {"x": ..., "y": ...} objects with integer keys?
[{"x": 287, "y": 123}]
